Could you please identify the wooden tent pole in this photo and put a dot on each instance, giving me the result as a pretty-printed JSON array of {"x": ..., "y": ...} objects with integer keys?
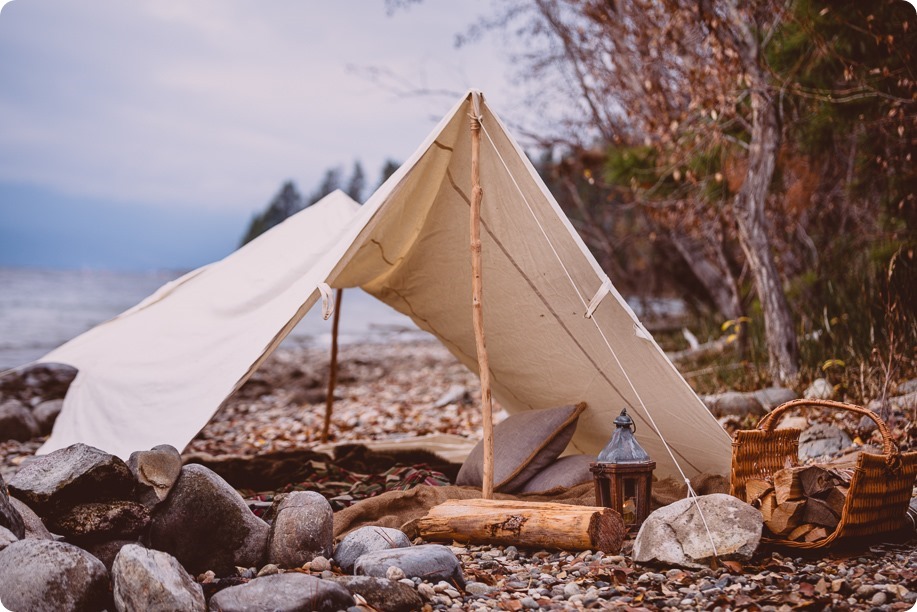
[
  {"x": 477, "y": 289},
  {"x": 333, "y": 370}
]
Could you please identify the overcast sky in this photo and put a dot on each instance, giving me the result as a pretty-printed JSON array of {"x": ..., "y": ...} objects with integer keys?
[{"x": 145, "y": 133}]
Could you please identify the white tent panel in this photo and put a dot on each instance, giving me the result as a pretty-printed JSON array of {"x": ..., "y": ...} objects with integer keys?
[
  {"x": 538, "y": 277},
  {"x": 158, "y": 372}
]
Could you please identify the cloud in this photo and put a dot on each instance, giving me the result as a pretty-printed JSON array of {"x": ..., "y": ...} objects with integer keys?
[{"x": 212, "y": 104}]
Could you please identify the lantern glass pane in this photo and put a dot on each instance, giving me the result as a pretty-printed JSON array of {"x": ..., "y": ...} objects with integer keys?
[{"x": 629, "y": 507}]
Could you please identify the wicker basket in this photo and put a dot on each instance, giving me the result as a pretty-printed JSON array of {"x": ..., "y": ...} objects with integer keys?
[{"x": 880, "y": 489}]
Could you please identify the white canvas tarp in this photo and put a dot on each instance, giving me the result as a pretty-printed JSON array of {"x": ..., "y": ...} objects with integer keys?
[
  {"x": 408, "y": 246},
  {"x": 157, "y": 373}
]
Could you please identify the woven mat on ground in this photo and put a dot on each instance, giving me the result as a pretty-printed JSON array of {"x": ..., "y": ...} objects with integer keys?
[{"x": 399, "y": 509}]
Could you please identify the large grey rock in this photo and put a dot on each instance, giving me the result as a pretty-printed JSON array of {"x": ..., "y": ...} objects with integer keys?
[
  {"x": 6, "y": 537},
  {"x": 431, "y": 562},
  {"x": 367, "y": 539},
  {"x": 908, "y": 386},
  {"x": 46, "y": 576},
  {"x": 675, "y": 534},
  {"x": 822, "y": 439},
  {"x": 771, "y": 397},
  {"x": 303, "y": 529},
  {"x": 52, "y": 483},
  {"x": 293, "y": 592},
  {"x": 819, "y": 389},
  {"x": 16, "y": 421},
  {"x": 733, "y": 403},
  {"x": 34, "y": 526},
  {"x": 382, "y": 594},
  {"x": 152, "y": 580},
  {"x": 107, "y": 550},
  {"x": 206, "y": 524},
  {"x": 102, "y": 521},
  {"x": 793, "y": 422},
  {"x": 41, "y": 381},
  {"x": 48, "y": 380},
  {"x": 9, "y": 516},
  {"x": 46, "y": 413},
  {"x": 157, "y": 469},
  {"x": 905, "y": 402}
]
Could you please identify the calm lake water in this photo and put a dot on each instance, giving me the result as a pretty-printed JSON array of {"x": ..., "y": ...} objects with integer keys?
[{"x": 42, "y": 309}]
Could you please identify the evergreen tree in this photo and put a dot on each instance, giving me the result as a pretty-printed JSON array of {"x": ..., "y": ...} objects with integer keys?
[
  {"x": 287, "y": 202},
  {"x": 357, "y": 182},
  {"x": 388, "y": 168}
]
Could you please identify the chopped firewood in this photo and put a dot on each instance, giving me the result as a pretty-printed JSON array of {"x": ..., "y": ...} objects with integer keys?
[
  {"x": 819, "y": 533},
  {"x": 756, "y": 489},
  {"x": 817, "y": 481},
  {"x": 818, "y": 512},
  {"x": 786, "y": 517},
  {"x": 800, "y": 532},
  {"x": 787, "y": 485},
  {"x": 835, "y": 499},
  {"x": 767, "y": 504}
]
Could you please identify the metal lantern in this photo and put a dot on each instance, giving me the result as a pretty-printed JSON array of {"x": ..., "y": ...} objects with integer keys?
[{"x": 623, "y": 474}]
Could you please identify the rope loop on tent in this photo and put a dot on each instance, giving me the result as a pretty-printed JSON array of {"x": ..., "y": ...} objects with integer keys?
[
  {"x": 327, "y": 300},
  {"x": 603, "y": 290},
  {"x": 690, "y": 493}
]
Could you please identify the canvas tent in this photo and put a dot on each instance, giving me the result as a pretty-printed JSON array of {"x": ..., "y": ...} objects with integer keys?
[{"x": 557, "y": 330}]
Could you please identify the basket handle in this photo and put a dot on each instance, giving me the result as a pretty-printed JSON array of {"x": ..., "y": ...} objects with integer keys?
[{"x": 769, "y": 421}]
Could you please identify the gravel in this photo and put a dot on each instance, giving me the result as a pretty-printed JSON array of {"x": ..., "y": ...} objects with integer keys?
[{"x": 384, "y": 386}]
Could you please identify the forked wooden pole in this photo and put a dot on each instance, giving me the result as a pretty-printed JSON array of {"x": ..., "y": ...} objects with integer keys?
[
  {"x": 477, "y": 290},
  {"x": 333, "y": 370}
]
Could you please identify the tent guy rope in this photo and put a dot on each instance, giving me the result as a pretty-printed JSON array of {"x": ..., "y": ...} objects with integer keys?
[{"x": 591, "y": 316}]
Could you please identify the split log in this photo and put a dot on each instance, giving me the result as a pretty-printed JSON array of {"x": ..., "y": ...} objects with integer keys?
[
  {"x": 817, "y": 512},
  {"x": 787, "y": 485},
  {"x": 836, "y": 498},
  {"x": 768, "y": 504},
  {"x": 800, "y": 532},
  {"x": 786, "y": 517},
  {"x": 529, "y": 524},
  {"x": 819, "y": 533},
  {"x": 756, "y": 489},
  {"x": 818, "y": 481},
  {"x": 806, "y": 503}
]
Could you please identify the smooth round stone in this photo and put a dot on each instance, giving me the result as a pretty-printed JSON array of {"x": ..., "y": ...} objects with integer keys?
[
  {"x": 291, "y": 592},
  {"x": 47, "y": 576},
  {"x": 153, "y": 580}
]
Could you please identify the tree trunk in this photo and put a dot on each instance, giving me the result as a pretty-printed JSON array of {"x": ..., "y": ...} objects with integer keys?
[
  {"x": 783, "y": 353},
  {"x": 713, "y": 274}
]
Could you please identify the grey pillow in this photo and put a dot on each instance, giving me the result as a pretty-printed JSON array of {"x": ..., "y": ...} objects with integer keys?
[
  {"x": 524, "y": 444},
  {"x": 566, "y": 472}
]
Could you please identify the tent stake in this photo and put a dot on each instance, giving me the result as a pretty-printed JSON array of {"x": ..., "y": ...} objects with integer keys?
[
  {"x": 333, "y": 370},
  {"x": 477, "y": 289}
]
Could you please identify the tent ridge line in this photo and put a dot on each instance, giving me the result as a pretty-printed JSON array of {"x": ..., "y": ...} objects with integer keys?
[{"x": 560, "y": 322}]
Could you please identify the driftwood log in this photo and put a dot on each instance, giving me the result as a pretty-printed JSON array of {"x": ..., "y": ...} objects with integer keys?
[{"x": 529, "y": 524}]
